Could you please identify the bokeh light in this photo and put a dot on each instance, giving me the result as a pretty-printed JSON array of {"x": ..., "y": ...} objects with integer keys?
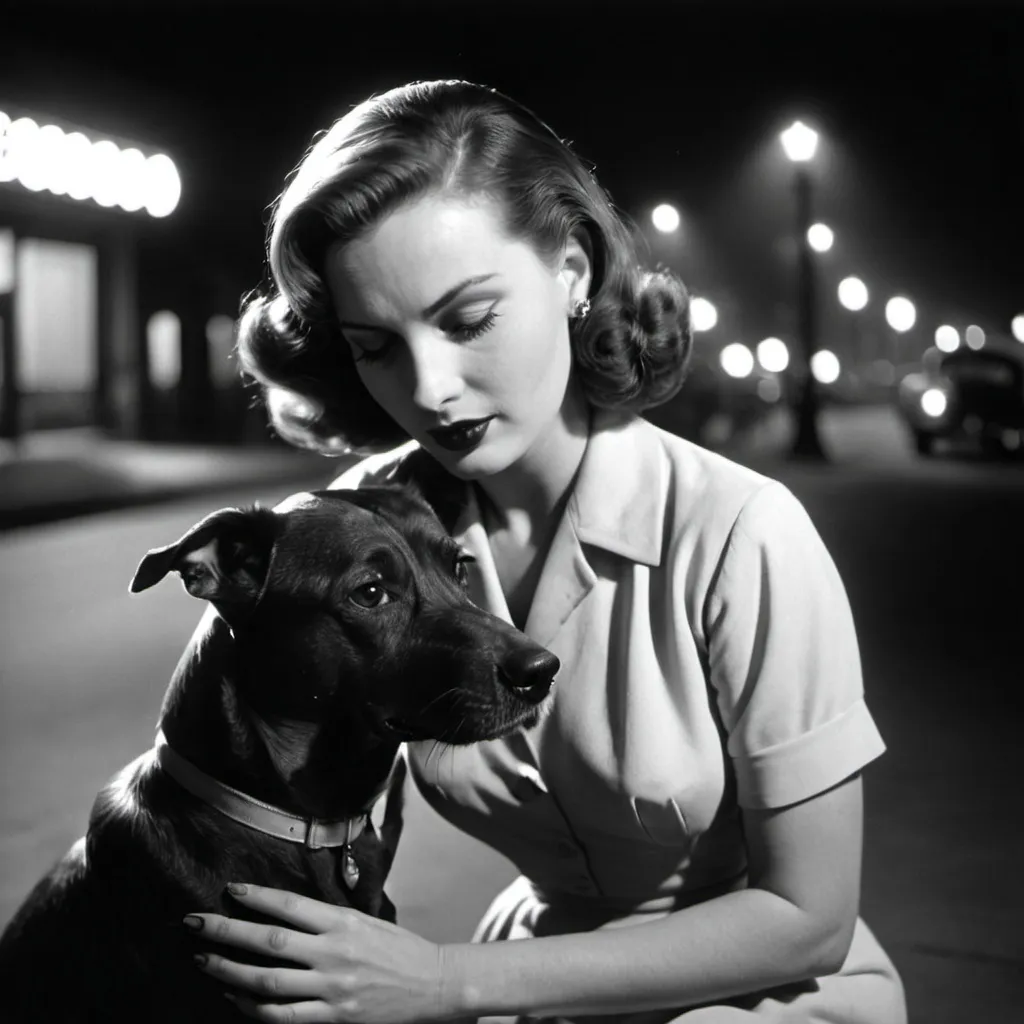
[
  {"x": 665, "y": 218},
  {"x": 773, "y": 354},
  {"x": 900, "y": 313},
  {"x": 975, "y": 337},
  {"x": 934, "y": 402},
  {"x": 853, "y": 293},
  {"x": 820, "y": 237},
  {"x": 947, "y": 338},
  {"x": 703, "y": 314},
  {"x": 799, "y": 142},
  {"x": 825, "y": 366},
  {"x": 737, "y": 360},
  {"x": 45, "y": 157},
  {"x": 1017, "y": 326}
]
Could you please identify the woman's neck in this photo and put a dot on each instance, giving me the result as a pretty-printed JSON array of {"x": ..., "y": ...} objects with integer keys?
[{"x": 527, "y": 499}]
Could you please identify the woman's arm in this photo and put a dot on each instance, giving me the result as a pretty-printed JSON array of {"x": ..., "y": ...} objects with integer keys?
[{"x": 794, "y": 922}]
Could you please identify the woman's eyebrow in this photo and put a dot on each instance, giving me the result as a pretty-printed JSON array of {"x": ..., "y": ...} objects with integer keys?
[{"x": 435, "y": 307}]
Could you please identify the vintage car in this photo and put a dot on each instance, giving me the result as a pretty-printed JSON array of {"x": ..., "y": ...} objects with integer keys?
[{"x": 967, "y": 398}]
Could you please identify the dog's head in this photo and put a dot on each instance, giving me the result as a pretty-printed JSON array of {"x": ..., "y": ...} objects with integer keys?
[{"x": 356, "y": 599}]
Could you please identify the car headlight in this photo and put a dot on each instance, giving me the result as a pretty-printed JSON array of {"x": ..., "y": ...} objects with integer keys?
[{"x": 933, "y": 402}]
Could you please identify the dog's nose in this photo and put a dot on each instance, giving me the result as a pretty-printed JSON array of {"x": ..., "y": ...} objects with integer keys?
[{"x": 529, "y": 673}]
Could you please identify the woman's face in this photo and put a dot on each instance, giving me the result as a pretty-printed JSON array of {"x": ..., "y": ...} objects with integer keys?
[{"x": 451, "y": 322}]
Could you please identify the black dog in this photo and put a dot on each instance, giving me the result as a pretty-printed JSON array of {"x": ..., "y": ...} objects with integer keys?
[{"x": 341, "y": 628}]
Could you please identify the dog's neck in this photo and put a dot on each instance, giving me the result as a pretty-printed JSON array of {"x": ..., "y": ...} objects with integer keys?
[{"x": 329, "y": 771}]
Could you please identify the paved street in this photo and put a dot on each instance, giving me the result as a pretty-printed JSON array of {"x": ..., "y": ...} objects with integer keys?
[{"x": 932, "y": 554}]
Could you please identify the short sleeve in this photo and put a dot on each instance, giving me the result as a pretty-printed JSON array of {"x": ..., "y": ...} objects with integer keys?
[{"x": 783, "y": 657}]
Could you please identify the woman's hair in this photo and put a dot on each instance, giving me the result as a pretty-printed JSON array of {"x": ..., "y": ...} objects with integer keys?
[{"x": 458, "y": 139}]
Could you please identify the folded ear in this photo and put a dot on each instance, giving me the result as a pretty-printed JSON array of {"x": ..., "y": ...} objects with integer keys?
[{"x": 223, "y": 559}]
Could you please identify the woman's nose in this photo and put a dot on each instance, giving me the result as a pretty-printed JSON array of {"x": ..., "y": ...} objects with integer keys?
[{"x": 436, "y": 371}]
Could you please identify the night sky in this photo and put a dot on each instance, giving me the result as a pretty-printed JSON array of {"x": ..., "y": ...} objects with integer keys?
[{"x": 921, "y": 106}]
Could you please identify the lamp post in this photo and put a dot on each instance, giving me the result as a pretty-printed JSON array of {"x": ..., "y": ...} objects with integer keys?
[{"x": 800, "y": 143}]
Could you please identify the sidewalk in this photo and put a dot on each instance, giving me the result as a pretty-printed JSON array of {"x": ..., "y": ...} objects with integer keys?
[{"x": 60, "y": 474}]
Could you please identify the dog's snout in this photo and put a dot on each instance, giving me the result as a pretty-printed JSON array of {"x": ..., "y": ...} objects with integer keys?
[{"x": 529, "y": 672}]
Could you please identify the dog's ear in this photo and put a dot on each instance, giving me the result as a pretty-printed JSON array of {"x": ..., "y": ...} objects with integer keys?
[{"x": 223, "y": 559}]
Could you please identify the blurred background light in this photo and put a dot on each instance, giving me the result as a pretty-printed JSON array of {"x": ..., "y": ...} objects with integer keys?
[
  {"x": 1017, "y": 326},
  {"x": 703, "y": 314},
  {"x": 825, "y": 366},
  {"x": 7, "y": 258},
  {"x": 947, "y": 338},
  {"x": 900, "y": 313},
  {"x": 820, "y": 237},
  {"x": 799, "y": 142},
  {"x": 768, "y": 389},
  {"x": 933, "y": 402},
  {"x": 773, "y": 354},
  {"x": 665, "y": 218},
  {"x": 163, "y": 186},
  {"x": 737, "y": 360},
  {"x": 132, "y": 193},
  {"x": 975, "y": 337},
  {"x": 853, "y": 293},
  {"x": 45, "y": 157}
]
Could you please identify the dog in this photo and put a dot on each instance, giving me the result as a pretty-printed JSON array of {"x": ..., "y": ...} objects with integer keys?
[{"x": 339, "y": 626}]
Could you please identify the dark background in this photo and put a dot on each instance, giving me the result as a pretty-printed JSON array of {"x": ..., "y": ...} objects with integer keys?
[{"x": 920, "y": 105}]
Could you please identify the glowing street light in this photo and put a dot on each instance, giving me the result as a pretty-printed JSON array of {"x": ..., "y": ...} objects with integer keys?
[
  {"x": 900, "y": 314},
  {"x": 665, "y": 218},
  {"x": 799, "y": 142},
  {"x": 703, "y": 314},
  {"x": 825, "y": 366},
  {"x": 820, "y": 237},
  {"x": 773, "y": 354},
  {"x": 737, "y": 360},
  {"x": 947, "y": 338},
  {"x": 853, "y": 293},
  {"x": 975, "y": 337},
  {"x": 1017, "y": 326}
]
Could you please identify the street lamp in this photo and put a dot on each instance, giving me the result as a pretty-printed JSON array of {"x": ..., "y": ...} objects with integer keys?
[
  {"x": 800, "y": 144},
  {"x": 665, "y": 218},
  {"x": 900, "y": 315}
]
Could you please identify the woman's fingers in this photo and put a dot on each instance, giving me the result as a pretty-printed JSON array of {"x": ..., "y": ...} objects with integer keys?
[
  {"x": 268, "y": 939},
  {"x": 265, "y": 982},
  {"x": 300, "y": 911},
  {"x": 311, "y": 1012}
]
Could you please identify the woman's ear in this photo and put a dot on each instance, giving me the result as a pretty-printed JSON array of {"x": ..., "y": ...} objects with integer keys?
[{"x": 577, "y": 267}]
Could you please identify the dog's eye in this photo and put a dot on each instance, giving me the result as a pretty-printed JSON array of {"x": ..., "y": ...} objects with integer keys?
[
  {"x": 461, "y": 567},
  {"x": 370, "y": 595}
]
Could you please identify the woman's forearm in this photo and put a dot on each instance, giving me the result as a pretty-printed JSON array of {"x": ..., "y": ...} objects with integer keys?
[{"x": 740, "y": 942}]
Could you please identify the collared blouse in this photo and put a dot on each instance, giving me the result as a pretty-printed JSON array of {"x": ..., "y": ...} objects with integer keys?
[{"x": 709, "y": 663}]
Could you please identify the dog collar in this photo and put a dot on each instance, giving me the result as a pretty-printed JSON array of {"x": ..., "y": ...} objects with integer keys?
[{"x": 256, "y": 814}]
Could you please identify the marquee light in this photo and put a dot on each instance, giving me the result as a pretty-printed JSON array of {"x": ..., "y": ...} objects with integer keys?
[{"x": 46, "y": 158}]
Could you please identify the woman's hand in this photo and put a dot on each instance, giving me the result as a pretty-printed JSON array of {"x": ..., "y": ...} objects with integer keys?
[{"x": 349, "y": 966}]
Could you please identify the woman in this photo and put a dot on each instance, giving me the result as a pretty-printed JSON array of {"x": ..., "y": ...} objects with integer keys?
[{"x": 687, "y": 817}]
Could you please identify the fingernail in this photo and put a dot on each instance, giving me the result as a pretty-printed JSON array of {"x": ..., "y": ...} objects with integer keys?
[
  {"x": 199, "y": 959},
  {"x": 193, "y": 922},
  {"x": 237, "y": 888}
]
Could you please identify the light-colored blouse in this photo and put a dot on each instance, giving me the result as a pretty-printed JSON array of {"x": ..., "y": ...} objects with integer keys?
[{"x": 709, "y": 663}]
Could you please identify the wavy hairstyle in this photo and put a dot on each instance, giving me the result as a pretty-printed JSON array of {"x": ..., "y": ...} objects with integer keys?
[{"x": 452, "y": 137}]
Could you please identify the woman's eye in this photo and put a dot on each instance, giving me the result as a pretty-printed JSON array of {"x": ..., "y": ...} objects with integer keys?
[
  {"x": 372, "y": 355},
  {"x": 475, "y": 328},
  {"x": 370, "y": 595}
]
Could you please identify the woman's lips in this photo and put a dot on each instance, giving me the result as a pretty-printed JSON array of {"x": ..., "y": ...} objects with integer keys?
[{"x": 461, "y": 436}]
